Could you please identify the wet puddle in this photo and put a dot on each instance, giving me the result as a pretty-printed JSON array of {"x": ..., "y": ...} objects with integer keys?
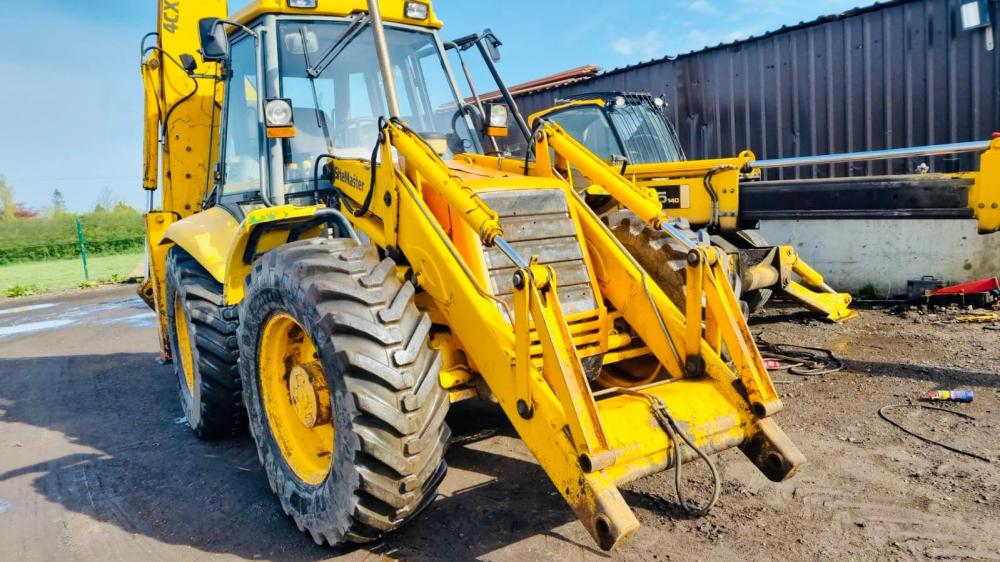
[
  {"x": 28, "y": 308},
  {"x": 131, "y": 312},
  {"x": 7, "y": 331}
]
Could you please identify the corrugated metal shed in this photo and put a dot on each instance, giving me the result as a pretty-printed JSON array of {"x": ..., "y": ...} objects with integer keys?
[{"x": 895, "y": 74}]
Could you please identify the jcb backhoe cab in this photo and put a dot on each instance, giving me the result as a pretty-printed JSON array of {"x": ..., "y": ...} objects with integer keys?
[
  {"x": 632, "y": 133},
  {"x": 337, "y": 260}
]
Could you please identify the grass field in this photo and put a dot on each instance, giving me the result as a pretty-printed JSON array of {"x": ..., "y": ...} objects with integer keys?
[
  {"x": 40, "y": 239},
  {"x": 65, "y": 274}
]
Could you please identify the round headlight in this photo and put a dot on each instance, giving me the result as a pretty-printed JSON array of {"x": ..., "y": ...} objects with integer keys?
[
  {"x": 278, "y": 113},
  {"x": 620, "y": 101},
  {"x": 498, "y": 116}
]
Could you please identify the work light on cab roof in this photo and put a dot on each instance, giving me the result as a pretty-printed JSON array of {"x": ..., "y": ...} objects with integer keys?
[{"x": 414, "y": 10}]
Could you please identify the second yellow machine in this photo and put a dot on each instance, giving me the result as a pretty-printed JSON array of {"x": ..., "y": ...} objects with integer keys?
[{"x": 335, "y": 260}]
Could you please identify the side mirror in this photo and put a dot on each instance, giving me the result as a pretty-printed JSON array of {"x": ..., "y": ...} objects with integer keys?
[
  {"x": 188, "y": 63},
  {"x": 214, "y": 41},
  {"x": 492, "y": 44}
]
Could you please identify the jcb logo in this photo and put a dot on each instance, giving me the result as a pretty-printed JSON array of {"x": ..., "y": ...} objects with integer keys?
[{"x": 171, "y": 15}]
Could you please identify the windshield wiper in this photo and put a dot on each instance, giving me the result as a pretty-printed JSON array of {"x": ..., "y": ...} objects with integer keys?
[
  {"x": 349, "y": 34},
  {"x": 320, "y": 116}
]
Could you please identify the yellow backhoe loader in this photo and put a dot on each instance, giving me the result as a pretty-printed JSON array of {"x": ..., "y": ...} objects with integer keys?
[{"x": 334, "y": 260}]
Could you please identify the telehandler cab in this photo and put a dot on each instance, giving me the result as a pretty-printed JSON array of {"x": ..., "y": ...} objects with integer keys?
[{"x": 336, "y": 260}]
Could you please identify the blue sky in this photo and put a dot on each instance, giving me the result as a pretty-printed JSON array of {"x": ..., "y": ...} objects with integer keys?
[{"x": 72, "y": 98}]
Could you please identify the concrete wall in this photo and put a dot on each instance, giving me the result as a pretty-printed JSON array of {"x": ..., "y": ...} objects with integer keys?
[{"x": 888, "y": 253}]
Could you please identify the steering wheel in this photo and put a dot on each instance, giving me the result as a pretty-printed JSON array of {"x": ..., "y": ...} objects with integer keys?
[{"x": 478, "y": 121}]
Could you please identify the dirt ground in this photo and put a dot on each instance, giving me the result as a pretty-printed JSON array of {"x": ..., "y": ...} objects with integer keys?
[{"x": 95, "y": 465}]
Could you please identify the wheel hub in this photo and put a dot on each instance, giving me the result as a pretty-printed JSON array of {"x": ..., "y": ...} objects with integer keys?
[
  {"x": 309, "y": 394},
  {"x": 296, "y": 398}
]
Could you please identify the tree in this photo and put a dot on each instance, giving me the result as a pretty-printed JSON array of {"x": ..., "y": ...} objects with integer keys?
[
  {"x": 8, "y": 209},
  {"x": 123, "y": 207},
  {"x": 58, "y": 203},
  {"x": 107, "y": 200}
]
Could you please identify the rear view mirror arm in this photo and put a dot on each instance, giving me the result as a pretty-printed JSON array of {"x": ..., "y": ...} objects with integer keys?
[{"x": 504, "y": 91}]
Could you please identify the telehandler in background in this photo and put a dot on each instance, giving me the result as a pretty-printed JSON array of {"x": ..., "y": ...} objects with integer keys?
[
  {"x": 728, "y": 198},
  {"x": 336, "y": 259},
  {"x": 631, "y": 132}
]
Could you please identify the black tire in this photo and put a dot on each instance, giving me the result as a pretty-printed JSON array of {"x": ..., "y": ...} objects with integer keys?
[
  {"x": 388, "y": 407},
  {"x": 663, "y": 258},
  {"x": 213, "y": 403},
  {"x": 745, "y": 239}
]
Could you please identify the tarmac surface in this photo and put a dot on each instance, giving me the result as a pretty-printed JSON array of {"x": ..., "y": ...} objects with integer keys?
[{"x": 95, "y": 463}]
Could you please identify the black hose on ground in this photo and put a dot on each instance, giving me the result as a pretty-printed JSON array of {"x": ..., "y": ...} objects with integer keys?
[
  {"x": 882, "y": 413},
  {"x": 801, "y": 360}
]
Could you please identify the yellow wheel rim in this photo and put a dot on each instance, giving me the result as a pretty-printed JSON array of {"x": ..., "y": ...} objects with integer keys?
[
  {"x": 296, "y": 398},
  {"x": 184, "y": 343}
]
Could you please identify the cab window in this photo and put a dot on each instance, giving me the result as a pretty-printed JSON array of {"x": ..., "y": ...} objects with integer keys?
[
  {"x": 338, "y": 101},
  {"x": 589, "y": 126},
  {"x": 242, "y": 128}
]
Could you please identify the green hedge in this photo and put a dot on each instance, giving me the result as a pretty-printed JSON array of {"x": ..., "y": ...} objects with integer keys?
[{"x": 106, "y": 233}]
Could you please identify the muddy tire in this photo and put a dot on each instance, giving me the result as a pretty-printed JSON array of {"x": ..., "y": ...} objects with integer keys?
[
  {"x": 381, "y": 390},
  {"x": 663, "y": 258},
  {"x": 202, "y": 334}
]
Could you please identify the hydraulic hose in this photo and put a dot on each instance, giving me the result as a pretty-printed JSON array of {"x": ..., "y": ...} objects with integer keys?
[{"x": 674, "y": 431}]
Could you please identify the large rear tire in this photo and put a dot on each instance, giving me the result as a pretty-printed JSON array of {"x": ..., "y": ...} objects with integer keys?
[
  {"x": 367, "y": 452},
  {"x": 202, "y": 334}
]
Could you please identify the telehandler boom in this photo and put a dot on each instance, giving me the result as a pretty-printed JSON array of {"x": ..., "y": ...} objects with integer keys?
[{"x": 335, "y": 261}]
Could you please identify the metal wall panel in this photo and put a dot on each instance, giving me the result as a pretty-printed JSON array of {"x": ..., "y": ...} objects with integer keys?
[{"x": 899, "y": 74}]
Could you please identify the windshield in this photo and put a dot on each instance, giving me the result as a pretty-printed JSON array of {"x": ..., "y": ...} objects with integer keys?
[
  {"x": 647, "y": 135},
  {"x": 638, "y": 124},
  {"x": 338, "y": 110}
]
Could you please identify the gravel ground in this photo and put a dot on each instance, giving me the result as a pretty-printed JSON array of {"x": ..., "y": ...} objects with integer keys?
[{"x": 94, "y": 464}]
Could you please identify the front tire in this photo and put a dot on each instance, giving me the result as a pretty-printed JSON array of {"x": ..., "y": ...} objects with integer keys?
[{"x": 332, "y": 308}]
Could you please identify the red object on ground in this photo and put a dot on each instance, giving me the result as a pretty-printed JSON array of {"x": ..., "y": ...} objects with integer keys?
[{"x": 980, "y": 286}]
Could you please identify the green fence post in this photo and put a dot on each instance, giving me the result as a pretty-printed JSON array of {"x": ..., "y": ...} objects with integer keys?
[{"x": 83, "y": 249}]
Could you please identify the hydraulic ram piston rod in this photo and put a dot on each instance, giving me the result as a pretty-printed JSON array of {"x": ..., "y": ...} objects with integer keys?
[{"x": 915, "y": 152}]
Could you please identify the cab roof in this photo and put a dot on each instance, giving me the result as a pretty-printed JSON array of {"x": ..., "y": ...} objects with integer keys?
[{"x": 393, "y": 11}]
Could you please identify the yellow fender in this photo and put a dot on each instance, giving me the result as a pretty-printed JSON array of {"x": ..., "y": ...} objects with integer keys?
[
  {"x": 207, "y": 237},
  {"x": 219, "y": 243}
]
